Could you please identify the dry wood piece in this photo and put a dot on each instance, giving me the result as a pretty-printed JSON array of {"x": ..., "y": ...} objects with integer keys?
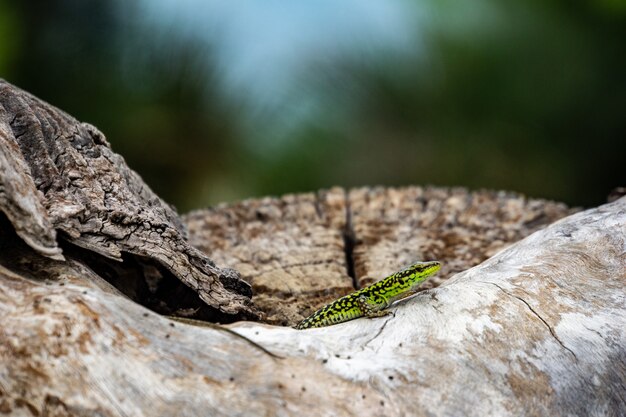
[
  {"x": 60, "y": 175},
  {"x": 301, "y": 251},
  {"x": 538, "y": 329}
]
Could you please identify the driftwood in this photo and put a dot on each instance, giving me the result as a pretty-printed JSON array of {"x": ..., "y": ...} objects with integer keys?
[{"x": 537, "y": 328}]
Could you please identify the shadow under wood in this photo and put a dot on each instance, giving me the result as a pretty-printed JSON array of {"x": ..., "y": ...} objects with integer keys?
[{"x": 140, "y": 279}]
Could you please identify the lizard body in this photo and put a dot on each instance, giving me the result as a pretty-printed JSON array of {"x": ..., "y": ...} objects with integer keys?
[{"x": 372, "y": 301}]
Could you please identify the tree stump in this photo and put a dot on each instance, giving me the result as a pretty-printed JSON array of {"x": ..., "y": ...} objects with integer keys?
[
  {"x": 527, "y": 317},
  {"x": 301, "y": 251}
]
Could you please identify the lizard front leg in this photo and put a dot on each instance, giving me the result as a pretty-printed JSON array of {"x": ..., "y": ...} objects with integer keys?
[{"x": 368, "y": 311}]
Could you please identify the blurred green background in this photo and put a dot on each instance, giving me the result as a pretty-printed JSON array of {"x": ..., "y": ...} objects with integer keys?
[{"x": 215, "y": 101}]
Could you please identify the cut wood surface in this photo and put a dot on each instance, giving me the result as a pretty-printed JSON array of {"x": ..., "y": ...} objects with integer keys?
[
  {"x": 510, "y": 327},
  {"x": 301, "y": 251}
]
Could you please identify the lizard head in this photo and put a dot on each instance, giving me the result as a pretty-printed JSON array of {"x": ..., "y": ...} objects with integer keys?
[{"x": 408, "y": 279}]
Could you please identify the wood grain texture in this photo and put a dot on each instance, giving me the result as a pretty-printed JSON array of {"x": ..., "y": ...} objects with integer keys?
[
  {"x": 59, "y": 177},
  {"x": 299, "y": 252},
  {"x": 291, "y": 249},
  {"x": 536, "y": 330},
  {"x": 394, "y": 227}
]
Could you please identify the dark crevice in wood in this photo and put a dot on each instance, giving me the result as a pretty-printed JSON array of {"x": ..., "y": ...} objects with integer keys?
[
  {"x": 349, "y": 242},
  {"x": 150, "y": 284},
  {"x": 15, "y": 254}
]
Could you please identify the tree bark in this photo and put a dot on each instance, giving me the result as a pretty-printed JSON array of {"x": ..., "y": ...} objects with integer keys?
[
  {"x": 60, "y": 175},
  {"x": 510, "y": 327}
]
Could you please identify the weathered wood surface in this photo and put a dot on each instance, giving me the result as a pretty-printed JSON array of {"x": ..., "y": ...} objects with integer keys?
[
  {"x": 60, "y": 175},
  {"x": 536, "y": 329},
  {"x": 301, "y": 251}
]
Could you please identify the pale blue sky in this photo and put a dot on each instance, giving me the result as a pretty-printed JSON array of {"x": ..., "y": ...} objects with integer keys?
[{"x": 265, "y": 48}]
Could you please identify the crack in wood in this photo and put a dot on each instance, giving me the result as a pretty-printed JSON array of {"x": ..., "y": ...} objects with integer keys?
[
  {"x": 537, "y": 315},
  {"x": 380, "y": 330},
  {"x": 349, "y": 241},
  {"x": 214, "y": 326}
]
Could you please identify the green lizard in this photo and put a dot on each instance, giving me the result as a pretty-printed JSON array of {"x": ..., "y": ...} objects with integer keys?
[{"x": 372, "y": 301}]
